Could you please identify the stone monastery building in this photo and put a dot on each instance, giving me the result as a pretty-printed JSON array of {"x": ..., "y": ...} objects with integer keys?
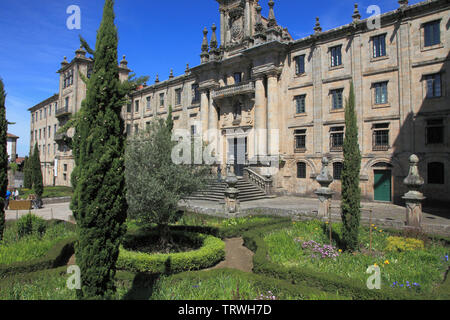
[{"x": 266, "y": 96}]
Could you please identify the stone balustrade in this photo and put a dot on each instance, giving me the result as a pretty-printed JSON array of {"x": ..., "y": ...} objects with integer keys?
[{"x": 235, "y": 89}]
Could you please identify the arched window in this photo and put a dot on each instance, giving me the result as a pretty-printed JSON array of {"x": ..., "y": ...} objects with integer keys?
[
  {"x": 301, "y": 170},
  {"x": 337, "y": 170},
  {"x": 435, "y": 173}
]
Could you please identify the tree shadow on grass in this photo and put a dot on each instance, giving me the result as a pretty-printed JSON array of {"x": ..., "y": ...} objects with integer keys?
[
  {"x": 336, "y": 237},
  {"x": 142, "y": 288}
]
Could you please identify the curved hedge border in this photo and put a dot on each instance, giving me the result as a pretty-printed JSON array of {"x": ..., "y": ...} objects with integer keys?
[
  {"x": 55, "y": 257},
  {"x": 211, "y": 252},
  {"x": 254, "y": 240}
]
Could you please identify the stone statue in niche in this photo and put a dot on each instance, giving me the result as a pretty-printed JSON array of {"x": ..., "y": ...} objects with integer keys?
[{"x": 236, "y": 25}]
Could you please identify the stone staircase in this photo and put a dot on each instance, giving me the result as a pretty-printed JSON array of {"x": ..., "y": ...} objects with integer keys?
[{"x": 215, "y": 191}]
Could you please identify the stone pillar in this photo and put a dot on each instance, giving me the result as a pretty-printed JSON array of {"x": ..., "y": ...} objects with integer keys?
[
  {"x": 222, "y": 27},
  {"x": 413, "y": 198},
  {"x": 272, "y": 114},
  {"x": 231, "y": 194},
  {"x": 204, "y": 113},
  {"x": 213, "y": 125},
  {"x": 260, "y": 119},
  {"x": 324, "y": 192}
]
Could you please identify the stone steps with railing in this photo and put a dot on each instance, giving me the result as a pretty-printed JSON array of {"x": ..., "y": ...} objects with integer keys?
[{"x": 215, "y": 191}]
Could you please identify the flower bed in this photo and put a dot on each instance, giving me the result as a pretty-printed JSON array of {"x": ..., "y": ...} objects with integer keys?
[{"x": 279, "y": 253}]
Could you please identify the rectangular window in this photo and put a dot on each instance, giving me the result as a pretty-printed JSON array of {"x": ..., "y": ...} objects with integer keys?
[
  {"x": 237, "y": 77},
  {"x": 48, "y": 149},
  {"x": 147, "y": 125},
  {"x": 40, "y": 114},
  {"x": 161, "y": 99},
  {"x": 435, "y": 171},
  {"x": 136, "y": 106},
  {"x": 432, "y": 33},
  {"x": 300, "y": 64},
  {"x": 435, "y": 131},
  {"x": 54, "y": 130},
  {"x": 65, "y": 176},
  {"x": 380, "y": 139},
  {"x": 66, "y": 103},
  {"x": 300, "y": 140},
  {"x": 54, "y": 148},
  {"x": 336, "y": 96},
  {"x": 337, "y": 170},
  {"x": 336, "y": 138},
  {"x": 195, "y": 93},
  {"x": 149, "y": 107},
  {"x": 177, "y": 96},
  {"x": 301, "y": 170},
  {"x": 136, "y": 129},
  {"x": 32, "y": 118},
  {"x": 49, "y": 131},
  {"x": 43, "y": 132},
  {"x": 381, "y": 96},
  {"x": 379, "y": 46},
  {"x": 50, "y": 110},
  {"x": 128, "y": 129},
  {"x": 300, "y": 104},
  {"x": 39, "y": 134},
  {"x": 433, "y": 83},
  {"x": 129, "y": 108},
  {"x": 193, "y": 130},
  {"x": 336, "y": 56}
]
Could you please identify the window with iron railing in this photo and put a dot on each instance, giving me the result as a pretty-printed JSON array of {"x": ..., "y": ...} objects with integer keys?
[
  {"x": 380, "y": 139},
  {"x": 301, "y": 170},
  {"x": 336, "y": 138},
  {"x": 300, "y": 140}
]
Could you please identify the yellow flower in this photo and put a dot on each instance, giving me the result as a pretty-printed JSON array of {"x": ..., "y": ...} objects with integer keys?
[
  {"x": 315, "y": 228},
  {"x": 340, "y": 250},
  {"x": 373, "y": 225},
  {"x": 326, "y": 222},
  {"x": 386, "y": 262},
  {"x": 380, "y": 230},
  {"x": 375, "y": 228},
  {"x": 375, "y": 265}
]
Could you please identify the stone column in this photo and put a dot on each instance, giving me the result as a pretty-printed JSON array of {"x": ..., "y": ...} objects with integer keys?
[
  {"x": 272, "y": 114},
  {"x": 324, "y": 192},
  {"x": 222, "y": 27},
  {"x": 413, "y": 198},
  {"x": 260, "y": 119},
  {"x": 204, "y": 113},
  {"x": 213, "y": 125}
]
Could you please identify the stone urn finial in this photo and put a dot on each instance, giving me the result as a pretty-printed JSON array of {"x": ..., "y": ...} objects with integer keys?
[
  {"x": 413, "y": 198},
  {"x": 413, "y": 181},
  {"x": 324, "y": 178}
]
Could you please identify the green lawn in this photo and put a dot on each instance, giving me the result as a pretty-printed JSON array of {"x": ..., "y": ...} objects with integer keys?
[
  {"x": 49, "y": 192},
  {"x": 421, "y": 269},
  {"x": 14, "y": 249}
]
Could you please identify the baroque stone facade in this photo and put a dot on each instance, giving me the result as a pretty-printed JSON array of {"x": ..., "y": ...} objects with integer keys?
[{"x": 265, "y": 96}]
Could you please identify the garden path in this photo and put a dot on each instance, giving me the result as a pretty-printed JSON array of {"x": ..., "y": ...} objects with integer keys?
[{"x": 237, "y": 256}]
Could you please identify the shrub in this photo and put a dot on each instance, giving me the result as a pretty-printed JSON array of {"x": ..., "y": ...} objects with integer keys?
[
  {"x": 403, "y": 244},
  {"x": 211, "y": 252},
  {"x": 30, "y": 224}
]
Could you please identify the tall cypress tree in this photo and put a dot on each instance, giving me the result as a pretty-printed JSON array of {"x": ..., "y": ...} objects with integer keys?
[
  {"x": 3, "y": 158},
  {"x": 27, "y": 182},
  {"x": 351, "y": 193},
  {"x": 99, "y": 201},
  {"x": 36, "y": 173}
]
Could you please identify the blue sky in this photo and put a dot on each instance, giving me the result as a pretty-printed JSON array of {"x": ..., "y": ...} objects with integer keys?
[{"x": 154, "y": 35}]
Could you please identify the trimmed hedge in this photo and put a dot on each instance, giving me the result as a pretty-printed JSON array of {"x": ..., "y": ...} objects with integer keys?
[
  {"x": 55, "y": 257},
  {"x": 211, "y": 252},
  {"x": 254, "y": 240}
]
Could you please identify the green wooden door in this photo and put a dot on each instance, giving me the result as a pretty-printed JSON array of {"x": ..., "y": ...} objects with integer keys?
[{"x": 382, "y": 185}]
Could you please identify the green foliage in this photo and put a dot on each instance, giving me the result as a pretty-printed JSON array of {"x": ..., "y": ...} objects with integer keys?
[
  {"x": 155, "y": 184},
  {"x": 211, "y": 252},
  {"x": 351, "y": 193},
  {"x": 231, "y": 284},
  {"x": 3, "y": 157},
  {"x": 99, "y": 203},
  {"x": 14, "y": 167},
  {"x": 401, "y": 244},
  {"x": 27, "y": 173},
  {"x": 329, "y": 282},
  {"x": 36, "y": 173},
  {"x": 30, "y": 224}
]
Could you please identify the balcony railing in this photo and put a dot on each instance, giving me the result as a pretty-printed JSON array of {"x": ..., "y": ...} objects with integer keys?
[
  {"x": 62, "y": 111},
  {"x": 380, "y": 147},
  {"x": 235, "y": 89},
  {"x": 336, "y": 148}
]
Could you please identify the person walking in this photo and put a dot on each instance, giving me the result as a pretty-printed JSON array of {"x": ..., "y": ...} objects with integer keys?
[
  {"x": 8, "y": 195},
  {"x": 16, "y": 194}
]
